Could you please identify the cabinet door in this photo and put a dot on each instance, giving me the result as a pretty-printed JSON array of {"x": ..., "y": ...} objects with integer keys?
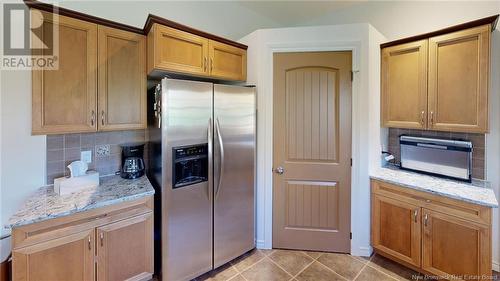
[
  {"x": 179, "y": 51},
  {"x": 404, "y": 85},
  {"x": 455, "y": 246},
  {"x": 396, "y": 229},
  {"x": 458, "y": 80},
  {"x": 125, "y": 249},
  {"x": 122, "y": 80},
  {"x": 227, "y": 62},
  {"x": 64, "y": 100},
  {"x": 66, "y": 258}
]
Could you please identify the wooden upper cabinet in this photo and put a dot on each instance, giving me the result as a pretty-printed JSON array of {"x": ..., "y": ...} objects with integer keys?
[
  {"x": 177, "y": 51},
  {"x": 182, "y": 52},
  {"x": 404, "y": 85},
  {"x": 67, "y": 258},
  {"x": 458, "y": 80},
  {"x": 64, "y": 100},
  {"x": 396, "y": 228},
  {"x": 227, "y": 62},
  {"x": 122, "y": 80},
  {"x": 453, "y": 246},
  {"x": 124, "y": 249}
]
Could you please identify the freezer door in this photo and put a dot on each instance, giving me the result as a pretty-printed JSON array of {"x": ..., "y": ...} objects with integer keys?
[
  {"x": 234, "y": 177},
  {"x": 187, "y": 211}
]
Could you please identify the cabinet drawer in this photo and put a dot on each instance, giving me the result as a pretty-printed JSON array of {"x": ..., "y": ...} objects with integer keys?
[{"x": 453, "y": 207}]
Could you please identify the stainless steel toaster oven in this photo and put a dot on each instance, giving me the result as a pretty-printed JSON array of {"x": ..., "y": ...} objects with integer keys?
[{"x": 447, "y": 158}]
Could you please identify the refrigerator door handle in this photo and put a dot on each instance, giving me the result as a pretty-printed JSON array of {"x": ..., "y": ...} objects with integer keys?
[
  {"x": 221, "y": 163},
  {"x": 210, "y": 162}
]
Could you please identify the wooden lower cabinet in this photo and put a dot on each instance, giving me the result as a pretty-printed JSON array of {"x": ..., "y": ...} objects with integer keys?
[
  {"x": 396, "y": 228},
  {"x": 113, "y": 243},
  {"x": 124, "y": 249},
  {"x": 432, "y": 234},
  {"x": 451, "y": 245},
  {"x": 67, "y": 258}
]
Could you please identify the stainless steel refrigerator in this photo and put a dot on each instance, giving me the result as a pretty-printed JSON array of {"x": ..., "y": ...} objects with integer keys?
[{"x": 202, "y": 158}]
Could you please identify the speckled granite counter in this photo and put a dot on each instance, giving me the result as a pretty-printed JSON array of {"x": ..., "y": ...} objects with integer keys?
[
  {"x": 477, "y": 192},
  {"x": 44, "y": 204}
]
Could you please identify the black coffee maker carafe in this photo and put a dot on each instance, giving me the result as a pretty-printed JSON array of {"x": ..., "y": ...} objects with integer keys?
[{"x": 132, "y": 160}]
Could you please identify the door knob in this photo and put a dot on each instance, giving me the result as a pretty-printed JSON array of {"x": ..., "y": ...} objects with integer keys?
[{"x": 279, "y": 170}]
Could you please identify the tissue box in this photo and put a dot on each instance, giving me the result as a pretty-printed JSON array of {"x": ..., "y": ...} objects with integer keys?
[{"x": 63, "y": 186}]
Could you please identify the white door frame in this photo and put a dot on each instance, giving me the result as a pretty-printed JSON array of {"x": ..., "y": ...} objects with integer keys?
[{"x": 265, "y": 105}]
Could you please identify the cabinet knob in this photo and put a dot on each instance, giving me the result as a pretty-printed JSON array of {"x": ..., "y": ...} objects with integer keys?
[{"x": 426, "y": 219}]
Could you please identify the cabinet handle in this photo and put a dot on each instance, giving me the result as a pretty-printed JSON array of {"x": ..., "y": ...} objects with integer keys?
[
  {"x": 415, "y": 214},
  {"x": 211, "y": 64},
  {"x": 102, "y": 117},
  {"x": 102, "y": 239},
  {"x": 205, "y": 64},
  {"x": 426, "y": 218},
  {"x": 422, "y": 120},
  {"x": 92, "y": 118},
  {"x": 90, "y": 247},
  {"x": 432, "y": 117}
]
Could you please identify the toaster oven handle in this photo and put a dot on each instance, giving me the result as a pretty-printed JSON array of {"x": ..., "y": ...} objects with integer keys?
[{"x": 435, "y": 146}]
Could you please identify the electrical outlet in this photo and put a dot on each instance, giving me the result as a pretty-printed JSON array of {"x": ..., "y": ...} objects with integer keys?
[
  {"x": 102, "y": 150},
  {"x": 86, "y": 156}
]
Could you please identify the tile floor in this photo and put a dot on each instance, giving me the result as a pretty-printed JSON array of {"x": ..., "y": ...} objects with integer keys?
[{"x": 278, "y": 265}]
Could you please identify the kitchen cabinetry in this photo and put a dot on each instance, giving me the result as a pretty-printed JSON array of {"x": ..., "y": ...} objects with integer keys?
[
  {"x": 122, "y": 80},
  {"x": 459, "y": 67},
  {"x": 430, "y": 233},
  {"x": 109, "y": 243},
  {"x": 439, "y": 82},
  {"x": 181, "y": 52},
  {"x": 404, "y": 85},
  {"x": 100, "y": 82},
  {"x": 70, "y": 257},
  {"x": 64, "y": 100}
]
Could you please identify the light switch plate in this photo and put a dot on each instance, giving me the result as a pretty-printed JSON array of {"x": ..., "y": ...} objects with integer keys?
[{"x": 86, "y": 156}]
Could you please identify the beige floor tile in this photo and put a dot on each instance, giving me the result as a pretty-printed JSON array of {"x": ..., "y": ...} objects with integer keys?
[
  {"x": 291, "y": 261},
  {"x": 343, "y": 264},
  {"x": 313, "y": 254},
  {"x": 247, "y": 260},
  {"x": 318, "y": 272},
  {"x": 222, "y": 273},
  {"x": 392, "y": 268},
  {"x": 267, "y": 252},
  {"x": 237, "y": 278},
  {"x": 265, "y": 270},
  {"x": 371, "y": 274}
]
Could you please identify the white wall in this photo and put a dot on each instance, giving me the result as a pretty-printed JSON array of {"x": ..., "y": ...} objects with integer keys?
[
  {"x": 356, "y": 37},
  {"x": 23, "y": 155}
]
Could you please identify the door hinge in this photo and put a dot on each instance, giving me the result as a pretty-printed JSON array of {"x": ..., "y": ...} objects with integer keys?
[
  {"x": 352, "y": 75},
  {"x": 351, "y": 162},
  {"x": 350, "y": 235}
]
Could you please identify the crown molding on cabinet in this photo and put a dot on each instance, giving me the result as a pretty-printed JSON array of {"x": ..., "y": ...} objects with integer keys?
[
  {"x": 488, "y": 20},
  {"x": 35, "y": 4}
]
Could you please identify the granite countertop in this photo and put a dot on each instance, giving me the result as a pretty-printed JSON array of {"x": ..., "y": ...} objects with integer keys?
[
  {"x": 45, "y": 204},
  {"x": 477, "y": 192}
]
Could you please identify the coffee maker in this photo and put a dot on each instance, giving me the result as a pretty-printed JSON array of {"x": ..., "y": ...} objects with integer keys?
[{"x": 132, "y": 160}]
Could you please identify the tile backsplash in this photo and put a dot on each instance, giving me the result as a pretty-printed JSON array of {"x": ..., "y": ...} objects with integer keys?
[
  {"x": 478, "y": 142},
  {"x": 64, "y": 149}
]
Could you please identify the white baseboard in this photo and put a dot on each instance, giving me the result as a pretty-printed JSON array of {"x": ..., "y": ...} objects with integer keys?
[
  {"x": 261, "y": 244},
  {"x": 495, "y": 266},
  {"x": 362, "y": 251}
]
